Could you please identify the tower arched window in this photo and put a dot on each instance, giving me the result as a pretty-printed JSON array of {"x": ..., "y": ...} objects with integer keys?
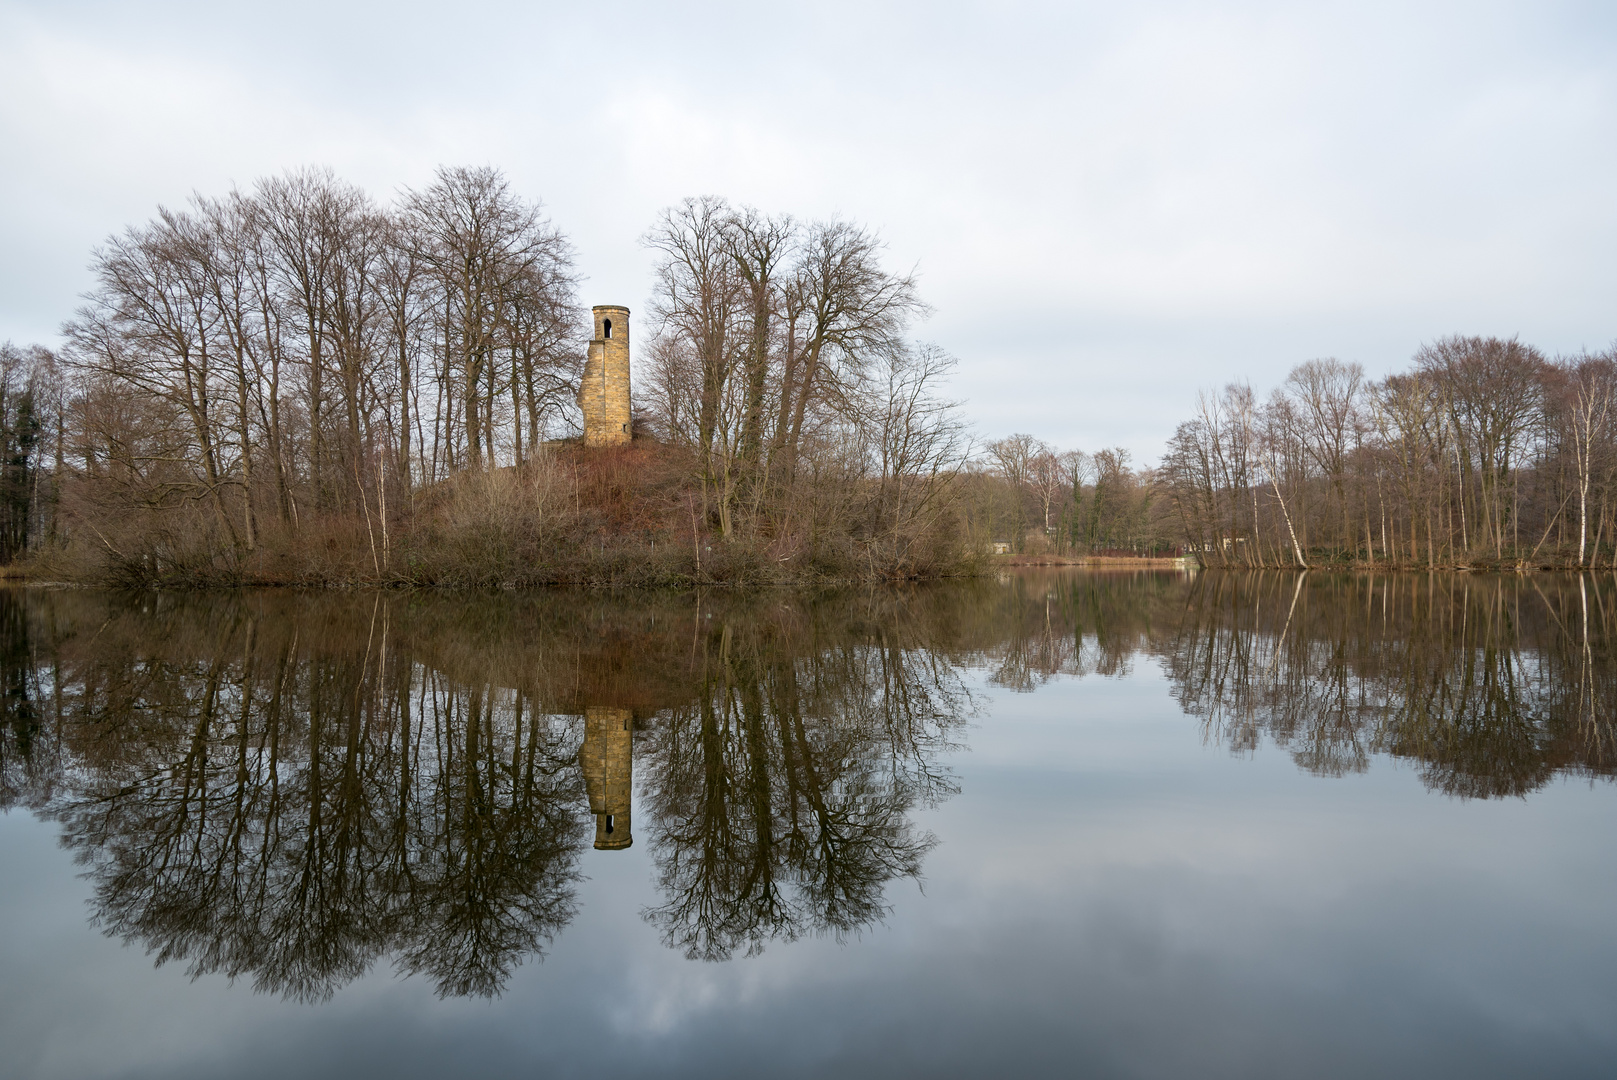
[{"x": 607, "y": 324}]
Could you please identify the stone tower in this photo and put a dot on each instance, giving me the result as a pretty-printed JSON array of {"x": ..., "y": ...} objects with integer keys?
[
  {"x": 607, "y": 760},
  {"x": 604, "y": 392}
]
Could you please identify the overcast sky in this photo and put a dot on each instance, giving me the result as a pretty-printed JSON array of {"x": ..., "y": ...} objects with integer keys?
[{"x": 1110, "y": 205}]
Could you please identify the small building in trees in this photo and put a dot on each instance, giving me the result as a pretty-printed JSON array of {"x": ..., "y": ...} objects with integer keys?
[{"x": 603, "y": 393}]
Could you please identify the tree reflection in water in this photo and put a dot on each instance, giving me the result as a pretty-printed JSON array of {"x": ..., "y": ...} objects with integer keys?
[
  {"x": 1493, "y": 684},
  {"x": 290, "y": 798},
  {"x": 781, "y": 794},
  {"x": 288, "y": 788}
]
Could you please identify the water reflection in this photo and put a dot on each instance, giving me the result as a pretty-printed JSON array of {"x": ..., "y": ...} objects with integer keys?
[
  {"x": 291, "y": 798},
  {"x": 1492, "y": 685},
  {"x": 780, "y": 795},
  {"x": 288, "y": 789},
  {"x": 607, "y": 761}
]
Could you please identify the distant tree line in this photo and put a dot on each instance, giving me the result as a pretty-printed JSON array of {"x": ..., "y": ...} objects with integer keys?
[
  {"x": 1484, "y": 452},
  {"x": 1036, "y": 499}
]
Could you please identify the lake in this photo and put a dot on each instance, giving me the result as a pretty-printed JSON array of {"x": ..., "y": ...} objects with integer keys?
[{"x": 1066, "y": 823}]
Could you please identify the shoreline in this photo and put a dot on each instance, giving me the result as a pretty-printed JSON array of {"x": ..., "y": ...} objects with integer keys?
[
  {"x": 1098, "y": 562},
  {"x": 994, "y": 565}
]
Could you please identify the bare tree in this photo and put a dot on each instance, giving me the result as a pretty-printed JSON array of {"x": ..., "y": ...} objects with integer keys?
[
  {"x": 1049, "y": 482},
  {"x": 1077, "y": 469},
  {"x": 1593, "y": 386},
  {"x": 843, "y": 308},
  {"x": 1012, "y": 458},
  {"x": 1327, "y": 396},
  {"x": 760, "y": 246},
  {"x": 503, "y": 278},
  {"x": 919, "y": 443},
  {"x": 699, "y": 303},
  {"x": 1279, "y": 459},
  {"x": 1491, "y": 390}
]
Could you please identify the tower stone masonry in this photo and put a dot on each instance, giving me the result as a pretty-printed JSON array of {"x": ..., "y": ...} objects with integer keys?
[{"x": 603, "y": 393}]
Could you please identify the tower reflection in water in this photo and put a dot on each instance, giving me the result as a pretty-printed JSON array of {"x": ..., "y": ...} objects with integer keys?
[{"x": 606, "y": 758}]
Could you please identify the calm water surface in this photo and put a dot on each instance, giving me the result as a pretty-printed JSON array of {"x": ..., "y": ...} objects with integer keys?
[{"x": 1076, "y": 824}]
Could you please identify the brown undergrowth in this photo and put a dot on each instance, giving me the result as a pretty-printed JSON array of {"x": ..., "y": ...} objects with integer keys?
[{"x": 628, "y": 516}]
